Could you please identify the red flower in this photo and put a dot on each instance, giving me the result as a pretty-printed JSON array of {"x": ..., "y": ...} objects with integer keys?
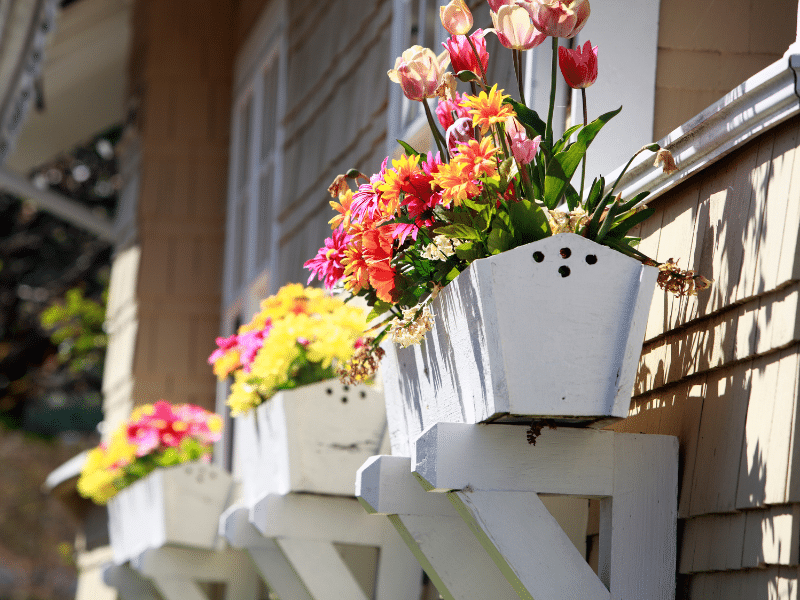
[
  {"x": 463, "y": 57},
  {"x": 578, "y": 66}
]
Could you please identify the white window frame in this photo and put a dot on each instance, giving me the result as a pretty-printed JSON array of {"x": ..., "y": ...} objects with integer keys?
[{"x": 265, "y": 48}]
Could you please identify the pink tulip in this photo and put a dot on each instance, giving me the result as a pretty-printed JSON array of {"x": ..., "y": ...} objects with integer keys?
[
  {"x": 419, "y": 72},
  {"x": 460, "y": 132},
  {"x": 515, "y": 29},
  {"x": 456, "y": 17},
  {"x": 463, "y": 56},
  {"x": 494, "y": 5},
  {"x": 559, "y": 18},
  {"x": 446, "y": 108},
  {"x": 578, "y": 66},
  {"x": 523, "y": 149}
]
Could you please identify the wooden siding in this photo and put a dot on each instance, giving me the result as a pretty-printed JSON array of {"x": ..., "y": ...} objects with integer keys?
[
  {"x": 720, "y": 370},
  {"x": 336, "y": 114},
  {"x": 706, "y": 50},
  {"x": 181, "y": 78}
]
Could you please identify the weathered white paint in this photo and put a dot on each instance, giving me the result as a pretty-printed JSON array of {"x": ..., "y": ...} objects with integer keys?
[
  {"x": 177, "y": 505},
  {"x": 558, "y": 346},
  {"x": 313, "y": 439},
  {"x": 638, "y": 511},
  {"x": 306, "y": 527},
  {"x": 272, "y": 564},
  {"x": 176, "y": 571},
  {"x": 430, "y": 526},
  {"x": 129, "y": 584}
]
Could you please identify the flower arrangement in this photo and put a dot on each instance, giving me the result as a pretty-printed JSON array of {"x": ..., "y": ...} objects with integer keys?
[
  {"x": 499, "y": 178},
  {"x": 156, "y": 435},
  {"x": 300, "y": 336}
]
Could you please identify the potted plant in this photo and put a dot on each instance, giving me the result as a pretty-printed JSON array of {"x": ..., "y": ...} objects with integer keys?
[
  {"x": 155, "y": 476},
  {"x": 298, "y": 428},
  {"x": 525, "y": 292}
]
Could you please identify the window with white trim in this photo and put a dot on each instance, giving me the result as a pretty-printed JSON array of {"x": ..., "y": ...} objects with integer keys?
[{"x": 254, "y": 180}]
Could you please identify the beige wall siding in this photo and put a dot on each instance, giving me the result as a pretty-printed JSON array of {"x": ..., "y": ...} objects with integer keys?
[
  {"x": 336, "y": 120},
  {"x": 721, "y": 370},
  {"x": 705, "y": 50},
  {"x": 181, "y": 74}
]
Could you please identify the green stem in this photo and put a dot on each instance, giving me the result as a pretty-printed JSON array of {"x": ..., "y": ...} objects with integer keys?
[
  {"x": 549, "y": 131},
  {"x": 613, "y": 187},
  {"x": 585, "y": 122},
  {"x": 437, "y": 135},
  {"x": 518, "y": 70}
]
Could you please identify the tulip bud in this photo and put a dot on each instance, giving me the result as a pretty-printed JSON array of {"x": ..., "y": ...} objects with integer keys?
[
  {"x": 419, "y": 72},
  {"x": 456, "y": 17},
  {"x": 523, "y": 149},
  {"x": 559, "y": 18},
  {"x": 515, "y": 29},
  {"x": 578, "y": 66}
]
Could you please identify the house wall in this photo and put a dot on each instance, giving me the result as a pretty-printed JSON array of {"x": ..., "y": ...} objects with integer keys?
[
  {"x": 181, "y": 81},
  {"x": 706, "y": 50},
  {"x": 720, "y": 370}
]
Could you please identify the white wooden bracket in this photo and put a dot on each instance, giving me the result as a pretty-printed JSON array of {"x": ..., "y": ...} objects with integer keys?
[
  {"x": 492, "y": 477},
  {"x": 306, "y": 528},
  {"x": 177, "y": 572},
  {"x": 272, "y": 565},
  {"x": 128, "y": 583}
]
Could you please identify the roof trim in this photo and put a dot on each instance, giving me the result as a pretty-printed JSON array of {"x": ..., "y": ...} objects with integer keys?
[{"x": 763, "y": 101}]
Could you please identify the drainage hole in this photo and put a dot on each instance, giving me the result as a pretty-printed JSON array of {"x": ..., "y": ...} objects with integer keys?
[
  {"x": 538, "y": 256},
  {"x": 591, "y": 259},
  {"x": 346, "y": 388},
  {"x": 566, "y": 253},
  {"x": 564, "y": 270},
  {"x": 329, "y": 391},
  {"x": 344, "y": 399},
  {"x": 363, "y": 394}
]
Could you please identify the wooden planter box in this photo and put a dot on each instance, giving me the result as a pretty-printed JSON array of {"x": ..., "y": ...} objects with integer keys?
[
  {"x": 551, "y": 329},
  {"x": 178, "y": 505},
  {"x": 310, "y": 439}
]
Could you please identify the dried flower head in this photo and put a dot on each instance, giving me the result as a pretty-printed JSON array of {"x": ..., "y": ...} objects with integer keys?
[
  {"x": 442, "y": 248},
  {"x": 339, "y": 186},
  {"x": 665, "y": 159},
  {"x": 562, "y": 222},
  {"x": 363, "y": 364},
  {"x": 412, "y": 327},
  {"x": 672, "y": 278}
]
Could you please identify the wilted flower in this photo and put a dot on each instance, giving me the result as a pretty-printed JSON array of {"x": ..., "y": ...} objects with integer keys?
[
  {"x": 363, "y": 364},
  {"x": 456, "y": 17},
  {"x": 578, "y": 66},
  {"x": 419, "y": 72},
  {"x": 515, "y": 29},
  {"x": 442, "y": 248},
  {"x": 665, "y": 159},
  {"x": 559, "y": 18},
  {"x": 412, "y": 327}
]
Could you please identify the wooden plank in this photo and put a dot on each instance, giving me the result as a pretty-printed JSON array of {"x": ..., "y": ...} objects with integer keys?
[
  {"x": 279, "y": 576},
  {"x": 650, "y": 233},
  {"x": 772, "y": 537},
  {"x": 399, "y": 575},
  {"x": 325, "y": 574},
  {"x": 793, "y": 475},
  {"x": 771, "y": 235},
  {"x": 784, "y": 409},
  {"x": 569, "y": 461},
  {"x": 719, "y": 445},
  {"x": 789, "y": 256},
  {"x": 129, "y": 583},
  {"x": 452, "y": 556},
  {"x": 751, "y": 490},
  {"x": 178, "y": 589},
  {"x": 746, "y": 330},
  {"x": 779, "y": 319},
  {"x": 645, "y": 500},
  {"x": 752, "y": 234},
  {"x": 531, "y": 551}
]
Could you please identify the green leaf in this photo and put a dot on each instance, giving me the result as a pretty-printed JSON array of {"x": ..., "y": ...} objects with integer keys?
[
  {"x": 528, "y": 117},
  {"x": 594, "y": 194},
  {"x": 563, "y": 165},
  {"x": 559, "y": 145},
  {"x": 452, "y": 274},
  {"x": 529, "y": 222},
  {"x": 467, "y": 76},
  {"x": 624, "y": 225},
  {"x": 468, "y": 252},
  {"x": 378, "y": 309},
  {"x": 573, "y": 198},
  {"x": 499, "y": 239},
  {"x": 409, "y": 150},
  {"x": 608, "y": 221},
  {"x": 459, "y": 231}
]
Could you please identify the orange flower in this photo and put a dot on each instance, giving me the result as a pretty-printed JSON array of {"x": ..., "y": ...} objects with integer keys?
[
  {"x": 477, "y": 158},
  {"x": 394, "y": 179},
  {"x": 343, "y": 208},
  {"x": 488, "y": 109},
  {"x": 456, "y": 182}
]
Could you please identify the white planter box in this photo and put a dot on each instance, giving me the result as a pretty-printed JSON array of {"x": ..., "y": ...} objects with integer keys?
[
  {"x": 519, "y": 337},
  {"x": 310, "y": 439},
  {"x": 178, "y": 505}
]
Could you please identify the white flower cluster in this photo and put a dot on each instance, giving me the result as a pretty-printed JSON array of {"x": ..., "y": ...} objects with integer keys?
[
  {"x": 442, "y": 248},
  {"x": 408, "y": 330}
]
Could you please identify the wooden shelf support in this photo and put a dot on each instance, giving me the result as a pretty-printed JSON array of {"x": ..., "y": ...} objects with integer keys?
[
  {"x": 307, "y": 528},
  {"x": 492, "y": 477}
]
